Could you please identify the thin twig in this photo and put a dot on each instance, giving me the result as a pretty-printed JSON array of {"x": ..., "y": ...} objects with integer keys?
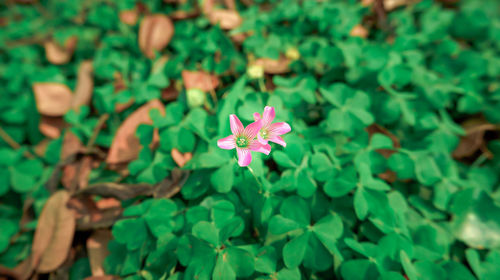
[
  {"x": 11, "y": 142},
  {"x": 100, "y": 123}
]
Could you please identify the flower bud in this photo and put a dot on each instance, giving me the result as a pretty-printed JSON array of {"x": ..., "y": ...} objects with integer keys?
[
  {"x": 255, "y": 71},
  {"x": 195, "y": 97}
]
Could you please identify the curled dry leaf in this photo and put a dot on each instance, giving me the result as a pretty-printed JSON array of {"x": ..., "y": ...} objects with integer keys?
[
  {"x": 52, "y": 99},
  {"x": 84, "y": 85},
  {"x": 90, "y": 216},
  {"x": 199, "y": 80},
  {"x": 227, "y": 19},
  {"x": 359, "y": 31},
  {"x": 126, "y": 145},
  {"x": 54, "y": 233},
  {"x": 180, "y": 158},
  {"x": 97, "y": 249},
  {"x": 170, "y": 186},
  {"x": 274, "y": 66},
  {"x": 155, "y": 33},
  {"x": 474, "y": 138},
  {"x": 51, "y": 126},
  {"x": 129, "y": 17},
  {"x": 57, "y": 54},
  {"x": 115, "y": 190}
]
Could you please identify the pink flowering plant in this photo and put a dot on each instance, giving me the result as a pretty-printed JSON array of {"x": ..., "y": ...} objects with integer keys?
[{"x": 254, "y": 137}]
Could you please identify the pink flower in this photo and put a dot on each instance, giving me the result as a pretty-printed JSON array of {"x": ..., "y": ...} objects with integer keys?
[
  {"x": 271, "y": 132},
  {"x": 243, "y": 139}
]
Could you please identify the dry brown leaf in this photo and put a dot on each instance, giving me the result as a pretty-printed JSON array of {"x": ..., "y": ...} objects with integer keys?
[
  {"x": 199, "y": 80},
  {"x": 52, "y": 99},
  {"x": 474, "y": 138},
  {"x": 84, "y": 85},
  {"x": 227, "y": 19},
  {"x": 126, "y": 146},
  {"x": 51, "y": 126},
  {"x": 41, "y": 147},
  {"x": 89, "y": 216},
  {"x": 57, "y": 54},
  {"x": 54, "y": 233},
  {"x": 155, "y": 33},
  {"x": 170, "y": 93},
  {"x": 230, "y": 4},
  {"x": 359, "y": 31},
  {"x": 76, "y": 175},
  {"x": 97, "y": 249},
  {"x": 180, "y": 158},
  {"x": 129, "y": 17},
  {"x": 119, "y": 191},
  {"x": 71, "y": 145},
  {"x": 274, "y": 66},
  {"x": 208, "y": 6},
  {"x": 170, "y": 186},
  {"x": 390, "y": 5}
]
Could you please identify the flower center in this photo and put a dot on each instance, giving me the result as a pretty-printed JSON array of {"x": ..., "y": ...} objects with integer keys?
[
  {"x": 264, "y": 133},
  {"x": 241, "y": 142}
]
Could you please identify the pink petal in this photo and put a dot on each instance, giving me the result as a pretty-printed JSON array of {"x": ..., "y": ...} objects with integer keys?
[
  {"x": 253, "y": 129},
  {"x": 236, "y": 125},
  {"x": 244, "y": 156},
  {"x": 227, "y": 143},
  {"x": 268, "y": 115},
  {"x": 256, "y": 116},
  {"x": 278, "y": 140},
  {"x": 279, "y": 128},
  {"x": 258, "y": 147},
  {"x": 261, "y": 140}
]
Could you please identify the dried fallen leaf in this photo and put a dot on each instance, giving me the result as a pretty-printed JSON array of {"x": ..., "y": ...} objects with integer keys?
[
  {"x": 155, "y": 33},
  {"x": 230, "y": 4},
  {"x": 170, "y": 186},
  {"x": 199, "y": 80},
  {"x": 89, "y": 216},
  {"x": 57, "y": 54},
  {"x": 76, "y": 175},
  {"x": 474, "y": 138},
  {"x": 51, "y": 126},
  {"x": 52, "y": 99},
  {"x": 84, "y": 85},
  {"x": 97, "y": 249},
  {"x": 180, "y": 158},
  {"x": 359, "y": 31},
  {"x": 126, "y": 146},
  {"x": 54, "y": 233},
  {"x": 129, "y": 17},
  {"x": 227, "y": 19},
  {"x": 274, "y": 66},
  {"x": 170, "y": 93},
  {"x": 71, "y": 145},
  {"x": 119, "y": 191}
]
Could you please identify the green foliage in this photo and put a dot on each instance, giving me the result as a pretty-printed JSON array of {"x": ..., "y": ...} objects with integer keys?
[{"x": 369, "y": 185}]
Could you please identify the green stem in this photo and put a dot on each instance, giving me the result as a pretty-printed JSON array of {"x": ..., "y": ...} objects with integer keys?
[{"x": 256, "y": 178}]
